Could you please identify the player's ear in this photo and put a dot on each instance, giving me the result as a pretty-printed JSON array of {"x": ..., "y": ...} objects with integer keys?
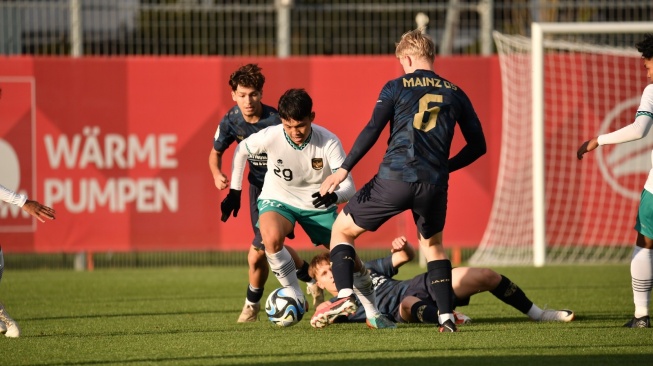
[
  {"x": 312, "y": 117},
  {"x": 233, "y": 95}
]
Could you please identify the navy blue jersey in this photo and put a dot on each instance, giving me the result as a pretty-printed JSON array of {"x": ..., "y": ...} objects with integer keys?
[
  {"x": 388, "y": 292},
  {"x": 422, "y": 109},
  {"x": 234, "y": 128}
]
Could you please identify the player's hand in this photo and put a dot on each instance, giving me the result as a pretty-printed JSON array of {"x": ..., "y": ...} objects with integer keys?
[
  {"x": 326, "y": 200},
  {"x": 38, "y": 210},
  {"x": 398, "y": 244},
  {"x": 331, "y": 182},
  {"x": 230, "y": 203},
  {"x": 221, "y": 181},
  {"x": 586, "y": 147}
]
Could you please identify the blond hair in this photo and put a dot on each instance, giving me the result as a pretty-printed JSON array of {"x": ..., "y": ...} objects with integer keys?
[{"x": 416, "y": 43}]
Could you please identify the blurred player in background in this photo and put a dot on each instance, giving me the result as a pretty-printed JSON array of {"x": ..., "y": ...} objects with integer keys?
[
  {"x": 248, "y": 116},
  {"x": 412, "y": 301},
  {"x": 300, "y": 154},
  {"x": 8, "y": 326},
  {"x": 641, "y": 264},
  {"x": 422, "y": 109}
]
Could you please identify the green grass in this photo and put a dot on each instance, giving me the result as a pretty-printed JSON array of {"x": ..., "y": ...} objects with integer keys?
[{"x": 186, "y": 316}]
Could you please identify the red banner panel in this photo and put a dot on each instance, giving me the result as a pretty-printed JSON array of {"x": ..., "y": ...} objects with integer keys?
[{"x": 119, "y": 147}]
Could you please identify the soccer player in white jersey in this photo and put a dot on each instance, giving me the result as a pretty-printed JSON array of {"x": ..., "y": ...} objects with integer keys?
[
  {"x": 641, "y": 264},
  {"x": 300, "y": 155},
  {"x": 8, "y": 326},
  {"x": 248, "y": 116}
]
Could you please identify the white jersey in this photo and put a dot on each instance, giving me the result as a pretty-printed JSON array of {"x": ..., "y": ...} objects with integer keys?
[
  {"x": 636, "y": 130},
  {"x": 294, "y": 172},
  {"x": 12, "y": 197}
]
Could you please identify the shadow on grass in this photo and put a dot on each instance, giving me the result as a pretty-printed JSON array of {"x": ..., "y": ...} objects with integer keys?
[{"x": 535, "y": 360}]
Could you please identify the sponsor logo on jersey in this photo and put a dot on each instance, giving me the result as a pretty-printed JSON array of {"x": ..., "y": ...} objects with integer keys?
[
  {"x": 624, "y": 167},
  {"x": 317, "y": 163}
]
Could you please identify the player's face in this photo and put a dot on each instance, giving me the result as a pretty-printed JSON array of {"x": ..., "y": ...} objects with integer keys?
[
  {"x": 324, "y": 278},
  {"x": 249, "y": 102},
  {"x": 648, "y": 64},
  {"x": 298, "y": 131}
]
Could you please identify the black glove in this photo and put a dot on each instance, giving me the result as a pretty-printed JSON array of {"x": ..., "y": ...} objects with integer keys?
[
  {"x": 582, "y": 150},
  {"x": 326, "y": 200},
  {"x": 230, "y": 203}
]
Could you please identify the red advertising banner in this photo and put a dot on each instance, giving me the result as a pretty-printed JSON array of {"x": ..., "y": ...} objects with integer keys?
[{"x": 119, "y": 147}]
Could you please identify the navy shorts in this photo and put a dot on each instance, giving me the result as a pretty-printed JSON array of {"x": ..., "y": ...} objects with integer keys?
[{"x": 381, "y": 199}]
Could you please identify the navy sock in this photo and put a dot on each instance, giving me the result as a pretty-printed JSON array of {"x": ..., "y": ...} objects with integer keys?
[
  {"x": 512, "y": 295},
  {"x": 342, "y": 266},
  {"x": 439, "y": 273},
  {"x": 254, "y": 294},
  {"x": 424, "y": 313},
  {"x": 302, "y": 273}
]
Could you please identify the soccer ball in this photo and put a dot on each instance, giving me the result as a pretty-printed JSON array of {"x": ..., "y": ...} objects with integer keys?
[{"x": 283, "y": 308}]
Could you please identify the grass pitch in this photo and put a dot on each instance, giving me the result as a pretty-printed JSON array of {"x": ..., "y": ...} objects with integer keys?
[{"x": 187, "y": 316}]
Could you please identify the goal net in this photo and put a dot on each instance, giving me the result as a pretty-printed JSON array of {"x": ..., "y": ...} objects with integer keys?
[{"x": 567, "y": 84}]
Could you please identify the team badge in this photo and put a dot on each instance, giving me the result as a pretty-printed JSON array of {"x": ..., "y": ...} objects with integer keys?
[{"x": 317, "y": 163}]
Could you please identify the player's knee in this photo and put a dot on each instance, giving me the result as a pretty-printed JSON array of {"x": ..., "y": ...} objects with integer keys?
[{"x": 490, "y": 278}]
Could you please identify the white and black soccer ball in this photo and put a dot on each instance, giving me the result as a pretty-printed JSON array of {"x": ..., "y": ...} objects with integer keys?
[{"x": 283, "y": 308}]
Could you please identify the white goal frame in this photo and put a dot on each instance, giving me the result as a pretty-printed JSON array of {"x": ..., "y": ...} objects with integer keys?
[{"x": 538, "y": 32}]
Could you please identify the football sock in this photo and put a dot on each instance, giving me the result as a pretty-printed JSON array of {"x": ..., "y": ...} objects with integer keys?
[
  {"x": 365, "y": 291},
  {"x": 439, "y": 274},
  {"x": 424, "y": 313},
  {"x": 302, "y": 273},
  {"x": 283, "y": 267},
  {"x": 508, "y": 292},
  {"x": 535, "y": 312},
  {"x": 342, "y": 267},
  {"x": 641, "y": 271},
  {"x": 254, "y": 294}
]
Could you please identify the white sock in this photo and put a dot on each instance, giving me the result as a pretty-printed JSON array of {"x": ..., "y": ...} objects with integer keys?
[
  {"x": 535, "y": 312},
  {"x": 641, "y": 271},
  {"x": 365, "y": 292},
  {"x": 283, "y": 267}
]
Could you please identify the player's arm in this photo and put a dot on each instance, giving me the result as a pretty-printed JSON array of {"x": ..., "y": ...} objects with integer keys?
[
  {"x": 402, "y": 252},
  {"x": 34, "y": 208},
  {"x": 221, "y": 141},
  {"x": 215, "y": 164},
  {"x": 381, "y": 115},
  {"x": 470, "y": 126},
  {"x": 346, "y": 188},
  {"x": 634, "y": 131}
]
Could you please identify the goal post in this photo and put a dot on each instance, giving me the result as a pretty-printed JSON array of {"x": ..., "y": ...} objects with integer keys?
[{"x": 558, "y": 88}]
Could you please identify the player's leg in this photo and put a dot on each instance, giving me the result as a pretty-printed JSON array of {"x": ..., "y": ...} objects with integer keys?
[
  {"x": 302, "y": 274},
  {"x": 370, "y": 207},
  {"x": 641, "y": 263},
  {"x": 8, "y": 326},
  {"x": 429, "y": 213},
  {"x": 467, "y": 281},
  {"x": 258, "y": 270},
  {"x": 275, "y": 222},
  {"x": 415, "y": 310}
]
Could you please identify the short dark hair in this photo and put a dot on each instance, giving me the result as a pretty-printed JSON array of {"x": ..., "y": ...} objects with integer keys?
[
  {"x": 295, "y": 104},
  {"x": 248, "y": 76},
  {"x": 645, "y": 46}
]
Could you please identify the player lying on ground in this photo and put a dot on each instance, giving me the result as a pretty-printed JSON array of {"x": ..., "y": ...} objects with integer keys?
[{"x": 413, "y": 301}]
